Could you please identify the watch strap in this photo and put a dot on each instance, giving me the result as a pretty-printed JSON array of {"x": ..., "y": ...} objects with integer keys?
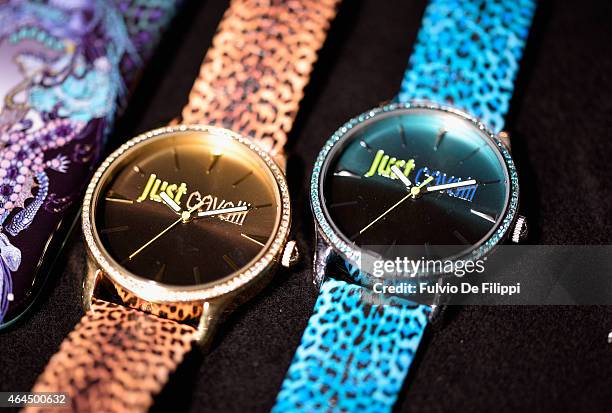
[
  {"x": 467, "y": 55},
  {"x": 253, "y": 77},
  {"x": 116, "y": 359},
  {"x": 355, "y": 352}
]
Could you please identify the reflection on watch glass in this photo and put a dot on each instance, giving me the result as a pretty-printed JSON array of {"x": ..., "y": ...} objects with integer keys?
[
  {"x": 187, "y": 208},
  {"x": 417, "y": 177}
]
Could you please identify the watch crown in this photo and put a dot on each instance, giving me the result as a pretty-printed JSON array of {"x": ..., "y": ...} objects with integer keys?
[
  {"x": 505, "y": 138},
  {"x": 519, "y": 233},
  {"x": 290, "y": 254}
]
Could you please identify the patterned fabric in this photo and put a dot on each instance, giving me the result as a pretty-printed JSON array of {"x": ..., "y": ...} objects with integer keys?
[
  {"x": 467, "y": 55},
  {"x": 115, "y": 360},
  {"x": 256, "y": 89},
  {"x": 354, "y": 354},
  {"x": 66, "y": 69}
]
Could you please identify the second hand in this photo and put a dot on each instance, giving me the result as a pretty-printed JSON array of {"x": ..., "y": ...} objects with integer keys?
[
  {"x": 185, "y": 216},
  {"x": 385, "y": 213},
  {"x": 154, "y": 238},
  {"x": 414, "y": 191}
]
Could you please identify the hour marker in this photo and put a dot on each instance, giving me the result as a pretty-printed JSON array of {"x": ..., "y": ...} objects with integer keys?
[
  {"x": 428, "y": 253},
  {"x": 137, "y": 169},
  {"x": 355, "y": 235},
  {"x": 403, "y": 136},
  {"x": 235, "y": 184},
  {"x": 496, "y": 181},
  {"x": 113, "y": 197},
  {"x": 196, "y": 275},
  {"x": 365, "y": 145},
  {"x": 230, "y": 262},
  {"x": 439, "y": 138},
  {"x": 257, "y": 239},
  {"x": 262, "y": 206},
  {"x": 460, "y": 237},
  {"x": 390, "y": 248},
  {"x": 114, "y": 229},
  {"x": 176, "y": 160},
  {"x": 341, "y": 204},
  {"x": 474, "y": 152},
  {"x": 160, "y": 273},
  {"x": 215, "y": 159},
  {"x": 347, "y": 174},
  {"x": 483, "y": 215}
]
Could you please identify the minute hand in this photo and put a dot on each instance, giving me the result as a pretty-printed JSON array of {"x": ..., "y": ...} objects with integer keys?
[
  {"x": 232, "y": 210},
  {"x": 451, "y": 185}
]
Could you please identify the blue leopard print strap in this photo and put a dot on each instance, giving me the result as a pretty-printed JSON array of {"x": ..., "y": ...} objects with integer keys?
[
  {"x": 467, "y": 55},
  {"x": 354, "y": 354}
]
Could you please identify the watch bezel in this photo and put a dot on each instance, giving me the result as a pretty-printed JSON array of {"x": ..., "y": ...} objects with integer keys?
[
  {"x": 163, "y": 293},
  {"x": 351, "y": 252}
]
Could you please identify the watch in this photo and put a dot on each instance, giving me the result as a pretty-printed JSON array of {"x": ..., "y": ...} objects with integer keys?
[
  {"x": 431, "y": 169},
  {"x": 185, "y": 222}
]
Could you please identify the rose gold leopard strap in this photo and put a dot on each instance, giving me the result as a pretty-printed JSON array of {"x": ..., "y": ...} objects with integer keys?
[
  {"x": 115, "y": 360},
  {"x": 253, "y": 76}
]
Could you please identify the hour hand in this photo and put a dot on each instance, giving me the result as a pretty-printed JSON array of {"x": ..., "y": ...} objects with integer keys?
[
  {"x": 398, "y": 172},
  {"x": 170, "y": 202}
]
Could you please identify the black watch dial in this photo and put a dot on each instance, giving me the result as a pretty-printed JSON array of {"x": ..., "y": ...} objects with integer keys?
[
  {"x": 416, "y": 177},
  {"x": 187, "y": 208}
]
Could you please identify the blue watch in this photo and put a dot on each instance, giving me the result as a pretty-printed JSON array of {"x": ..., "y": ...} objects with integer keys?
[{"x": 428, "y": 170}]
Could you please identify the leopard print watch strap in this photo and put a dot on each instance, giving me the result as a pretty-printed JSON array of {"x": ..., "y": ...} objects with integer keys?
[
  {"x": 115, "y": 360},
  {"x": 354, "y": 354},
  {"x": 253, "y": 76},
  {"x": 467, "y": 55}
]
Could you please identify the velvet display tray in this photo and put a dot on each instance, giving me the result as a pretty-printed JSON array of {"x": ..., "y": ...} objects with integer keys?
[{"x": 475, "y": 358}]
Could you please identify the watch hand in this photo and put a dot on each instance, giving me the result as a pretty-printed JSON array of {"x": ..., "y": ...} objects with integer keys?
[
  {"x": 414, "y": 191},
  {"x": 155, "y": 238},
  {"x": 222, "y": 211},
  {"x": 185, "y": 217},
  {"x": 398, "y": 172},
  {"x": 384, "y": 213},
  {"x": 198, "y": 205},
  {"x": 451, "y": 185},
  {"x": 170, "y": 202}
]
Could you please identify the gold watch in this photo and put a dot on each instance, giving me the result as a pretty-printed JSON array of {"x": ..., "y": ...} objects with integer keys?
[{"x": 184, "y": 222}]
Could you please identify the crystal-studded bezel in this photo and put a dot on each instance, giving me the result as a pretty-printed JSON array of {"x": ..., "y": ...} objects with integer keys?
[
  {"x": 162, "y": 293},
  {"x": 352, "y": 252}
]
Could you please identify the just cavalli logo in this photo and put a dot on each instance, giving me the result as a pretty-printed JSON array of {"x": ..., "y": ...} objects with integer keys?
[
  {"x": 177, "y": 192},
  {"x": 382, "y": 163}
]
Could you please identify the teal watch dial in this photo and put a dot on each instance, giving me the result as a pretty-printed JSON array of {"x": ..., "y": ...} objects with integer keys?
[{"x": 421, "y": 176}]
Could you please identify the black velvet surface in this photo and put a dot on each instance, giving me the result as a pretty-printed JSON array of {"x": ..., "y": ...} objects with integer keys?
[{"x": 476, "y": 358}]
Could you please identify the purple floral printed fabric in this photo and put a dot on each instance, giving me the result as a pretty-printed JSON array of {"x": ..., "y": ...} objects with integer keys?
[{"x": 66, "y": 68}]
